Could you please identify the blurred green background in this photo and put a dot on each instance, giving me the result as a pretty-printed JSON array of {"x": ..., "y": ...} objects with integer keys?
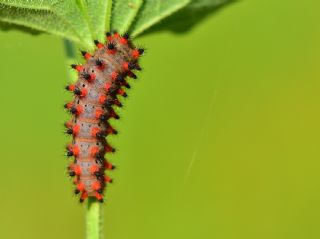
[{"x": 219, "y": 137}]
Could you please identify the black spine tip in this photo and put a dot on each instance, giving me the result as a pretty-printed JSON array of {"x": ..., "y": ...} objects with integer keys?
[
  {"x": 120, "y": 79},
  {"x": 126, "y": 36},
  {"x": 113, "y": 90},
  {"x": 108, "y": 103},
  {"x": 133, "y": 76},
  {"x": 76, "y": 191},
  {"x": 137, "y": 67},
  {"x": 99, "y": 156},
  {"x": 100, "y": 135},
  {"x": 96, "y": 42},
  {"x": 132, "y": 66},
  {"x": 73, "y": 110},
  {"x": 108, "y": 34},
  {"x": 98, "y": 62},
  {"x": 73, "y": 66},
  {"x": 86, "y": 75},
  {"x": 111, "y": 46},
  {"x": 69, "y": 153},
  {"x": 81, "y": 200},
  {"x": 69, "y": 131},
  {"x": 77, "y": 92},
  {"x": 98, "y": 174},
  {"x": 103, "y": 117},
  {"x": 141, "y": 51},
  {"x": 99, "y": 160},
  {"x": 72, "y": 173}
]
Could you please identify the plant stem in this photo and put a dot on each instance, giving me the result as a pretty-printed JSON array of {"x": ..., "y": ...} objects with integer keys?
[
  {"x": 93, "y": 208},
  {"x": 71, "y": 58},
  {"x": 94, "y": 221}
]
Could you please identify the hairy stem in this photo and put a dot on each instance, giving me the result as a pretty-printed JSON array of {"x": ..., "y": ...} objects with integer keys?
[
  {"x": 71, "y": 58},
  {"x": 93, "y": 208},
  {"x": 94, "y": 221}
]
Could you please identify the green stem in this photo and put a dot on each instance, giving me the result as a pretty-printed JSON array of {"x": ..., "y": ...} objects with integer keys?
[
  {"x": 94, "y": 221},
  {"x": 71, "y": 58},
  {"x": 93, "y": 209}
]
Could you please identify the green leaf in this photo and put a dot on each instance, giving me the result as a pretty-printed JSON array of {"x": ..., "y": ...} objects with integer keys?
[
  {"x": 81, "y": 21},
  {"x": 123, "y": 14},
  {"x": 36, "y": 19},
  {"x": 4, "y": 26},
  {"x": 153, "y": 11},
  {"x": 205, "y": 3},
  {"x": 187, "y": 17},
  {"x": 108, "y": 16},
  {"x": 30, "y": 4},
  {"x": 97, "y": 13},
  {"x": 59, "y": 17}
]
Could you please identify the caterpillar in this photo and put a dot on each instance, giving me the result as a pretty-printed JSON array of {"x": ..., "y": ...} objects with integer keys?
[{"x": 101, "y": 80}]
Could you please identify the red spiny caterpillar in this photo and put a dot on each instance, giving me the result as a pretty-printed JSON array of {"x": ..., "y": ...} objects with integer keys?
[{"x": 101, "y": 79}]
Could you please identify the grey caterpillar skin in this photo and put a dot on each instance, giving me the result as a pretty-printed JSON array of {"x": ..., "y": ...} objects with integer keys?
[{"x": 101, "y": 80}]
